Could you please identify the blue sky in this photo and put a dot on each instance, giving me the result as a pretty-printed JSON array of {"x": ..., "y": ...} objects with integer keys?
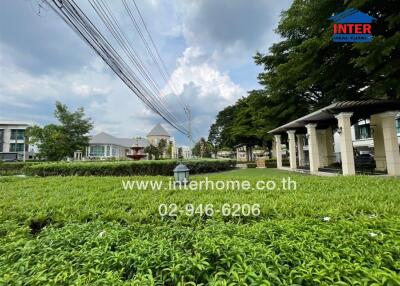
[{"x": 207, "y": 46}]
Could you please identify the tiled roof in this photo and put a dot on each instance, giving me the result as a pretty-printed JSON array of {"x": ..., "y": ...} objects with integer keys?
[
  {"x": 326, "y": 116},
  {"x": 105, "y": 138},
  {"x": 158, "y": 130}
]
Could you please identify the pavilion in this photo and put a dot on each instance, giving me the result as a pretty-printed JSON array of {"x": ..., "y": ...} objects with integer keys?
[{"x": 319, "y": 126}]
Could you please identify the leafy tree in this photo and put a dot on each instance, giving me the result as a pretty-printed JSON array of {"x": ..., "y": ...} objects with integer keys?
[
  {"x": 306, "y": 70},
  {"x": 220, "y": 131},
  {"x": 162, "y": 146},
  {"x": 56, "y": 142},
  {"x": 153, "y": 152},
  {"x": 169, "y": 149},
  {"x": 180, "y": 153},
  {"x": 202, "y": 149},
  {"x": 307, "y": 64}
]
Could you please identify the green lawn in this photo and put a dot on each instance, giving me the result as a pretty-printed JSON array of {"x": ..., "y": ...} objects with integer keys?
[{"x": 90, "y": 231}]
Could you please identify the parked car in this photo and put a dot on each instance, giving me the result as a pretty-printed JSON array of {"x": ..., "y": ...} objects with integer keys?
[{"x": 365, "y": 162}]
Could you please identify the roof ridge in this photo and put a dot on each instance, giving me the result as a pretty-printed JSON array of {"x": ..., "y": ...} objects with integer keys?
[{"x": 158, "y": 130}]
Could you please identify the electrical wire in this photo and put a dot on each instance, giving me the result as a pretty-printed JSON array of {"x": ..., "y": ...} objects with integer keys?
[{"x": 71, "y": 13}]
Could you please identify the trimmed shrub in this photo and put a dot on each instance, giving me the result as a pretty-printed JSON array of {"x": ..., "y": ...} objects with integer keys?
[
  {"x": 271, "y": 163},
  {"x": 131, "y": 168},
  {"x": 13, "y": 168},
  {"x": 251, "y": 165}
]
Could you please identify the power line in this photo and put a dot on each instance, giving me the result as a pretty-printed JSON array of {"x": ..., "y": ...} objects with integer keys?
[
  {"x": 166, "y": 73},
  {"x": 136, "y": 25},
  {"x": 70, "y": 12},
  {"x": 161, "y": 65},
  {"x": 110, "y": 21}
]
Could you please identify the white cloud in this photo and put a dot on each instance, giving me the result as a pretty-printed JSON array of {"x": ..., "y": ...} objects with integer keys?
[
  {"x": 111, "y": 105},
  {"x": 203, "y": 87},
  {"x": 215, "y": 36},
  {"x": 231, "y": 31}
]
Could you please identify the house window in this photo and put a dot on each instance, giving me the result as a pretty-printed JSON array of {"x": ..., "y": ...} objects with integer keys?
[
  {"x": 97, "y": 150},
  {"x": 17, "y": 134},
  {"x": 398, "y": 125},
  {"x": 114, "y": 151},
  {"x": 19, "y": 147},
  {"x": 108, "y": 150},
  {"x": 362, "y": 131}
]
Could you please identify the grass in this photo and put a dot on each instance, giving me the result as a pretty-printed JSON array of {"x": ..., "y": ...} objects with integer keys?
[{"x": 90, "y": 231}]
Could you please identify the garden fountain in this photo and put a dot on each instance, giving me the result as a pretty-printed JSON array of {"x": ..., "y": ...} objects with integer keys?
[{"x": 137, "y": 153}]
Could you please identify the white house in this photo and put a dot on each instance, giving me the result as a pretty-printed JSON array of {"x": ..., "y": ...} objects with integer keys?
[
  {"x": 106, "y": 146},
  {"x": 12, "y": 141}
]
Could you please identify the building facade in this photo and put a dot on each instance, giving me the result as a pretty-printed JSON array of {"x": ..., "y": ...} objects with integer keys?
[
  {"x": 349, "y": 129},
  {"x": 362, "y": 135},
  {"x": 106, "y": 146},
  {"x": 13, "y": 145}
]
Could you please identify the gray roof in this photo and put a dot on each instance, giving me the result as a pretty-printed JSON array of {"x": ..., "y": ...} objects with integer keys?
[
  {"x": 105, "y": 138},
  {"x": 326, "y": 116},
  {"x": 140, "y": 142},
  {"x": 158, "y": 130}
]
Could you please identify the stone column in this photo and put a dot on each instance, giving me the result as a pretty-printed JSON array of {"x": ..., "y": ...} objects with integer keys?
[
  {"x": 330, "y": 149},
  {"x": 273, "y": 150},
  {"x": 390, "y": 141},
  {"x": 313, "y": 147},
  {"x": 379, "y": 147},
  {"x": 292, "y": 149},
  {"x": 346, "y": 143},
  {"x": 300, "y": 149},
  {"x": 278, "y": 148},
  {"x": 323, "y": 154}
]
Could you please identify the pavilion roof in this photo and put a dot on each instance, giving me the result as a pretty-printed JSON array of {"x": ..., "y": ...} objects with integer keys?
[{"x": 325, "y": 117}]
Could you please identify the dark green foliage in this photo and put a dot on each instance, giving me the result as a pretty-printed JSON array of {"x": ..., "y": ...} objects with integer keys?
[
  {"x": 89, "y": 231},
  {"x": 180, "y": 153},
  {"x": 202, "y": 149},
  {"x": 153, "y": 151},
  {"x": 162, "y": 146},
  {"x": 306, "y": 70},
  {"x": 56, "y": 142},
  {"x": 251, "y": 165},
  {"x": 126, "y": 168},
  {"x": 271, "y": 163},
  {"x": 14, "y": 168}
]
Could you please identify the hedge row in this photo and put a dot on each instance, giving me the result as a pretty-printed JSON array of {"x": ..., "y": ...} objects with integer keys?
[
  {"x": 132, "y": 168},
  {"x": 271, "y": 163},
  {"x": 13, "y": 168}
]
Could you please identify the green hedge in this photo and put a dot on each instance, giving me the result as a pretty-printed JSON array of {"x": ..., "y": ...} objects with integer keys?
[
  {"x": 251, "y": 165},
  {"x": 161, "y": 167},
  {"x": 13, "y": 168},
  {"x": 271, "y": 163}
]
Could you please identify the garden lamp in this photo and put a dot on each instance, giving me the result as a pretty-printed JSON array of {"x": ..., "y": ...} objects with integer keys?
[{"x": 181, "y": 174}]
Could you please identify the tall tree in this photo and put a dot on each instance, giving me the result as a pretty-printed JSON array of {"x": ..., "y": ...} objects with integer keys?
[
  {"x": 152, "y": 151},
  {"x": 220, "y": 132},
  {"x": 307, "y": 64},
  {"x": 56, "y": 142},
  {"x": 162, "y": 146},
  {"x": 306, "y": 70},
  {"x": 202, "y": 149}
]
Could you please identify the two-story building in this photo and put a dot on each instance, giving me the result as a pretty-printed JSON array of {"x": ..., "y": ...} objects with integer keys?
[
  {"x": 362, "y": 135},
  {"x": 13, "y": 143}
]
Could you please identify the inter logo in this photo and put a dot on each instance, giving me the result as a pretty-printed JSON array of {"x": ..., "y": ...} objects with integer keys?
[{"x": 352, "y": 26}]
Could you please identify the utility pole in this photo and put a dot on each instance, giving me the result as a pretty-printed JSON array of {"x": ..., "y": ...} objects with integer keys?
[{"x": 188, "y": 111}]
